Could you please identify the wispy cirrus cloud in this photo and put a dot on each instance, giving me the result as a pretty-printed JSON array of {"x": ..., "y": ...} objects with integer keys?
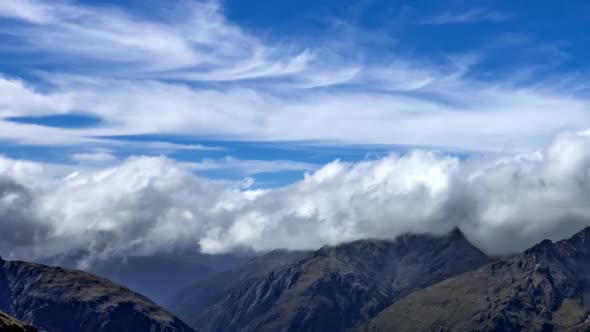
[
  {"x": 249, "y": 167},
  {"x": 190, "y": 76},
  {"x": 413, "y": 111},
  {"x": 192, "y": 36},
  {"x": 469, "y": 16}
]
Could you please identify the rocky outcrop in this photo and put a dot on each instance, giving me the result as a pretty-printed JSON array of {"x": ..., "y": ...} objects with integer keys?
[
  {"x": 190, "y": 302},
  {"x": 546, "y": 288},
  {"x": 56, "y": 299},
  {"x": 11, "y": 324}
]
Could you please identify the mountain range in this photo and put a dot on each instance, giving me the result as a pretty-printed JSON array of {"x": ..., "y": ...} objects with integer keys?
[
  {"x": 416, "y": 282},
  {"x": 337, "y": 287},
  {"x": 546, "y": 288}
]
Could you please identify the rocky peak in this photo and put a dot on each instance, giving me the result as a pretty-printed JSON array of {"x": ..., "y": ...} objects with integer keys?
[
  {"x": 580, "y": 240},
  {"x": 456, "y": 234},
  {"x": 540, "y": 248},
  {"x": 339, "y": 286}
]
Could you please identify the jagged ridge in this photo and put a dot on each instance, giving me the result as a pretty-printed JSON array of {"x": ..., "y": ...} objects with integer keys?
[
  {"x": 544, "y": 289},
  {"x": 337, "y": 287}
]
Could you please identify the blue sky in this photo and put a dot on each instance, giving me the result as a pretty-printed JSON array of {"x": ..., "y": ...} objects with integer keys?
[{"x": 272, "y": 90}]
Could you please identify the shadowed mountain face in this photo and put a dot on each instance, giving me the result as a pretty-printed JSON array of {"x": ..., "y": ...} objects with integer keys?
[
  {"x": 338, "y": 287},
  {"x": 56, "y": 299},
  {"x": 544, "y": 289},
  {"x": 191, "y": 301},
  {"x": 11, "y": 324}
]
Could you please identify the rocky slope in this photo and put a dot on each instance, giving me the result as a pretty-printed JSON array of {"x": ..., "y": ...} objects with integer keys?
[
  {"x": 61, "y": 300},
  {"x": 338, "y": 287},
  {"x": 11, "y": 324},
  {"x": 546, "y": 288},
  {"x": 190, "y": 302}
]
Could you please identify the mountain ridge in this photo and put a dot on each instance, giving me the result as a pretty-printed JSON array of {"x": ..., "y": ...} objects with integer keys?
[
  {"x": 545, "y": 288},
  {"x": 11, "y": 324},
  {"x": 57, "y": 299},
  {"x": 338, "y": 287}
]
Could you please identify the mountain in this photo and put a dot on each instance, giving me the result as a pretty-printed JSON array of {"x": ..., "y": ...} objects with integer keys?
[
  {"x": 62, "y": 300},
  {"x": 157, "y": 277},
  {"x": 546, "y": 288},
  {"x": 11, "y": 324},
  {"x": 154, "y": 277},
  {"x": 189, "y": 302},
  {"x": 338, "y": 287}
]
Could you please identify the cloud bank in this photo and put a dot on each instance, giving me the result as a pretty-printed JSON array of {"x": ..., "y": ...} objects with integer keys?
[{"x": 150, "y": 205}]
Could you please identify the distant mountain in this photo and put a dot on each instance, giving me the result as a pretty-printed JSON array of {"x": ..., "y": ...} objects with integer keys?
[
  {"x": 62, "y": 300},
  {"x": 338, "y": 287},
  {"x": 191, "y": 301},
  {"x": 546, "y": 288},
  {"x": 11, "y": 324},
  {"x": 157, "y": 277}
]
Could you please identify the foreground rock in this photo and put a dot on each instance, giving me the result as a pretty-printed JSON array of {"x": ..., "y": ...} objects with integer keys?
[
  {"x": 11, "y": 324},
  {"x": 56, "y": 299}
]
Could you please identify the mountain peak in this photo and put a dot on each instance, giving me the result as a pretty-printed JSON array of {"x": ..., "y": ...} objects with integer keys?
[
  {"x": 581, "y": 238},
  {"x": 456, "y": 234},
  {"x": 540, "y": 249},
  {"x": 339, "y": 286}
]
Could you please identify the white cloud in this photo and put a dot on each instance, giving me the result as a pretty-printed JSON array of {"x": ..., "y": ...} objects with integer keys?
[
  {"x": 95, "y": 157},
  {"x": 146, "y": 205},
  {"x": 29, "y": 10},
  {"x": 448, "y": 111},
  {"x": 191, "y": 35},
  {"x": 325, "y": 94},
  {"x": 469, "y": 16},
  {"x": 154, "y": 204},
  {"x": 249, "y": 167}
]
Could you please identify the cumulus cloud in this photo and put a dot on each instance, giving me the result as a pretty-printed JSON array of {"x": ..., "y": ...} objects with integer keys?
[{"x": 148, "y": 205}]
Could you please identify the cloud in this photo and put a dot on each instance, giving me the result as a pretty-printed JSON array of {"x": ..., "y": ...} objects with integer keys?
[
  {"x": 469, "y": 16},
  {"x": 190, "y": 35},
  {"x": 147, "y": 205},
  {"x": 263, "y": 90},
  {"x": 249, "y": 167},
  {"x": 95, "y": 157},
  {"x": 418, "y": 111},
  {"x": 18, "y": 219},
  {"x": 187, "y": 70}
]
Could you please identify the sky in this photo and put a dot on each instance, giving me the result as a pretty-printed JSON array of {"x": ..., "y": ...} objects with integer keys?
[{"x": 255, "y": 124}]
